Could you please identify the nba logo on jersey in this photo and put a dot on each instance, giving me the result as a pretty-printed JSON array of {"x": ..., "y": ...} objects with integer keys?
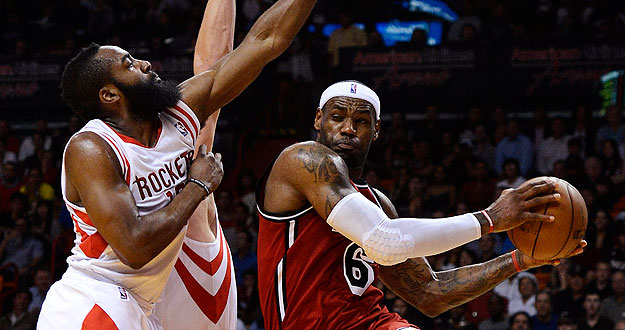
[
  {"x": 353, "y": 90},
  {"x": 123, "y": 295},
  {"x": 181, "y": 129}
]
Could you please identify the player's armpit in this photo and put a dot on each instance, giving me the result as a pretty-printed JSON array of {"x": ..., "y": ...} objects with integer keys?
[{"x": 307, "y": 173}]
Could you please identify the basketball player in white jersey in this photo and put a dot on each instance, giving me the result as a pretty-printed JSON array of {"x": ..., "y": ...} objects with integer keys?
[
  {"x": 126, "y": 177},
  {"x": 201, "y": 291}
]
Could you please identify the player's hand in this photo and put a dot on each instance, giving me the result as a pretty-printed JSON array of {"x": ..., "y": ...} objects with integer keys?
[
  {"x": 526, "y": 262},
  {"x": 513, "y": 207},
  {"x": 207, "y": 167}
]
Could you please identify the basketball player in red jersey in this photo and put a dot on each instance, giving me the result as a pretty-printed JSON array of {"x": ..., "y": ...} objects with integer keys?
[
  {"x": 201, "y": 291},
  {"x": 325, "y": 234},
  {"x": 123, "y": 172}
]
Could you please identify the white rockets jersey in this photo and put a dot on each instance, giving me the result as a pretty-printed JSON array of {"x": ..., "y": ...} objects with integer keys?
[
  {"x": 154, "y": 176},
  {"x": 201, "y": 292}
]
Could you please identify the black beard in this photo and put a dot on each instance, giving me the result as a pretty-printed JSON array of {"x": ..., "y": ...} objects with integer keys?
[{"x": 146, "y": 100}]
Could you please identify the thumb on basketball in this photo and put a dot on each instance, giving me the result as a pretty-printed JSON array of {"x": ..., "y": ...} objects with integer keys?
[{"x": 531, "y": 216}]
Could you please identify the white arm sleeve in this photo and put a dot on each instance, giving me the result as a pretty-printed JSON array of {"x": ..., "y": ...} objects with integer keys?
[{"x": 390, "y": 242}]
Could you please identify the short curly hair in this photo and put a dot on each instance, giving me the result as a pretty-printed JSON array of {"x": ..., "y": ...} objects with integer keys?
[{"x": 82, "y": 79}]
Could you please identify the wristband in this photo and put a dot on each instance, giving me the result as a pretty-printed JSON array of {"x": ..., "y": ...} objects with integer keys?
[
  {"x": 490, "y": 221},
  {"x": 201, "y": 184},
  {"x": 515, "y": 262}
]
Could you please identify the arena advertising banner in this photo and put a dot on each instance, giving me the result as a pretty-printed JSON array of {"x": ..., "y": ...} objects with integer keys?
[
  {"x": 545, "y": 73},
  {"x": 33, "y": 84},
  {"x": 437, "y": 74}
]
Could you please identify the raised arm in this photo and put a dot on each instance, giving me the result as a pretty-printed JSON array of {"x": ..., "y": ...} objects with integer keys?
[
  {"x": 94, "y": 180},
  {"x": 270, "y": 36},
  {"x": 215, "y": 39},
  {"x": 436, "y": 292}
]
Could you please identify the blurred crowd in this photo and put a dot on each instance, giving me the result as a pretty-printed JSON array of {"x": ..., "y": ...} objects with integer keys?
[{"x": 438, "y": 163}]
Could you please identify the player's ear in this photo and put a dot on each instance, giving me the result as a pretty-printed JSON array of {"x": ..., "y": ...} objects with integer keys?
[
  {"x": 109, "y": 94},
  {"x": 376, "y": 130},
  {"x": 318, "y": 116}
]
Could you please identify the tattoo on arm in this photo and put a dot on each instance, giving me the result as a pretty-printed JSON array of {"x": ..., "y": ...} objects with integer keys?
[
  {"x": 329, "y": 206},
  {"x": 436, "y": 292},
  {"x": 316, "y": 161}
]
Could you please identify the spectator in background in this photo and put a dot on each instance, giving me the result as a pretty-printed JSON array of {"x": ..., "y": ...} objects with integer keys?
[
  {"x": 610, "y": 157},
  {"x": 9, "y": 184},
  {"x": 42, "y": 282},
  {"x": 497, "y": 311},
  {"x": 544, "y": 319},
  {"x": 245, "y": 257},
  {"x": 6, "y": 156},
  {"x": 35, "y": 189},
  {"x": 570, "y": 301},
  {"x": 520, "y": 321},
  {"x": 482, "y": 146},
  {"x": 620, "y": 325},
  {"x": 20, "y": 247},
  {"x": 516, "y": 146},
  {"x": 614, "y": 306},
  {"x": 553, "y": 148},
  {"x": 348, "y": 35},
  {"x": 478, "y": 193},
  {"x": 593, "y": 319},
  {"x": 600, "y": 238},
  {"x": 511, "y": 175},
  {"x": 617, "y": 257},
  {"x": 29, "y": 144},
  {"x": 613, "y": 129},
  {"x": 10, "y": 141},
  {"x": 467, "y": 18},
  {"x": 418, "y": 38},
  {"x": 566, "y": 323},
  {"x": 439, "y": 194},
  {"x": 601, "y": 284},
  {"x": 528, "y": 285},
  {"x": 18, "y": 318},
  {"x": 582, "y": 130},
  {"x": 539, "y": 126}
]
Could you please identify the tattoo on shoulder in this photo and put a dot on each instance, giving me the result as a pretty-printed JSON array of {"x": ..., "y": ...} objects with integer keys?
[{"x": 315, "y": 160}]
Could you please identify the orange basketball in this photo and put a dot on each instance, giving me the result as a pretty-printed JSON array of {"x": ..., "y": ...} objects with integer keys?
[{"x": 553, "y": 240}]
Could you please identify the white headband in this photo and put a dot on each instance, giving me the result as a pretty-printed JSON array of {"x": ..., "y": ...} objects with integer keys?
[{"x": 351, "y": 89}]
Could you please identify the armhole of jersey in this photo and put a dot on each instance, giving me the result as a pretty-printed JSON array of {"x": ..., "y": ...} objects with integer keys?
[
  {"x": 376, "y": 196},
  {"x": 187, "y": 117},
  {"x": 260, "y": 199}
]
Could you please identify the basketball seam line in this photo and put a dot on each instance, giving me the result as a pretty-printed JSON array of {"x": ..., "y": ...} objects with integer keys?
[
  {"x": 538, "y": 233},
  {"x": 568, "y": 191}
]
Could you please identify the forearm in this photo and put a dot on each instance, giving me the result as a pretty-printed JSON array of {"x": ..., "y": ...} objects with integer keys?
[
  {"x": 392, "y": 242},
  {"x": 216, "y": 35},
  {"x": 153, "y": 232},
  {"x": 435, "y": 293},
  {"x": 277, "y": 27}
]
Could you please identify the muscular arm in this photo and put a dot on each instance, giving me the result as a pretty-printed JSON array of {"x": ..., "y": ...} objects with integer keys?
[
  {"x": 94, "y": 180},
  {"x": 307, "y": 172},
  {"x": 215, "y": 39},
  {"x": 436, "y": 292},
  {"x": 268, "y": 38}
]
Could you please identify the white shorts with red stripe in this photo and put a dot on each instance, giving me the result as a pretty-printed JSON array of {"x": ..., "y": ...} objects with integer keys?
[
  {"x": 80, "y": 302},
  {"x": 201, "y": 291}
]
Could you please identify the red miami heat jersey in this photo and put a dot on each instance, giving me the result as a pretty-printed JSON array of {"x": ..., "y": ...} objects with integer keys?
[
  {"x": 311, "y": 277},
  {"x": 154, "y": 175}
]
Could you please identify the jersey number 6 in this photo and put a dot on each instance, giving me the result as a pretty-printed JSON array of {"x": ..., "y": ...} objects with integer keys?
[{"x": 358, "y": 272}]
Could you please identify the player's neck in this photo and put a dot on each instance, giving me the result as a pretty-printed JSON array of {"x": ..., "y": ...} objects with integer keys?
[
  {"x": 355, "y": 173},
  {"x": 143, "y": 130}
]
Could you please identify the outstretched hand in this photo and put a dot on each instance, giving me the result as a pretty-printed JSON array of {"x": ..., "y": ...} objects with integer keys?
[
  {"x": 514, "y": 206},
  {"x": 526, "y": 262}
]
